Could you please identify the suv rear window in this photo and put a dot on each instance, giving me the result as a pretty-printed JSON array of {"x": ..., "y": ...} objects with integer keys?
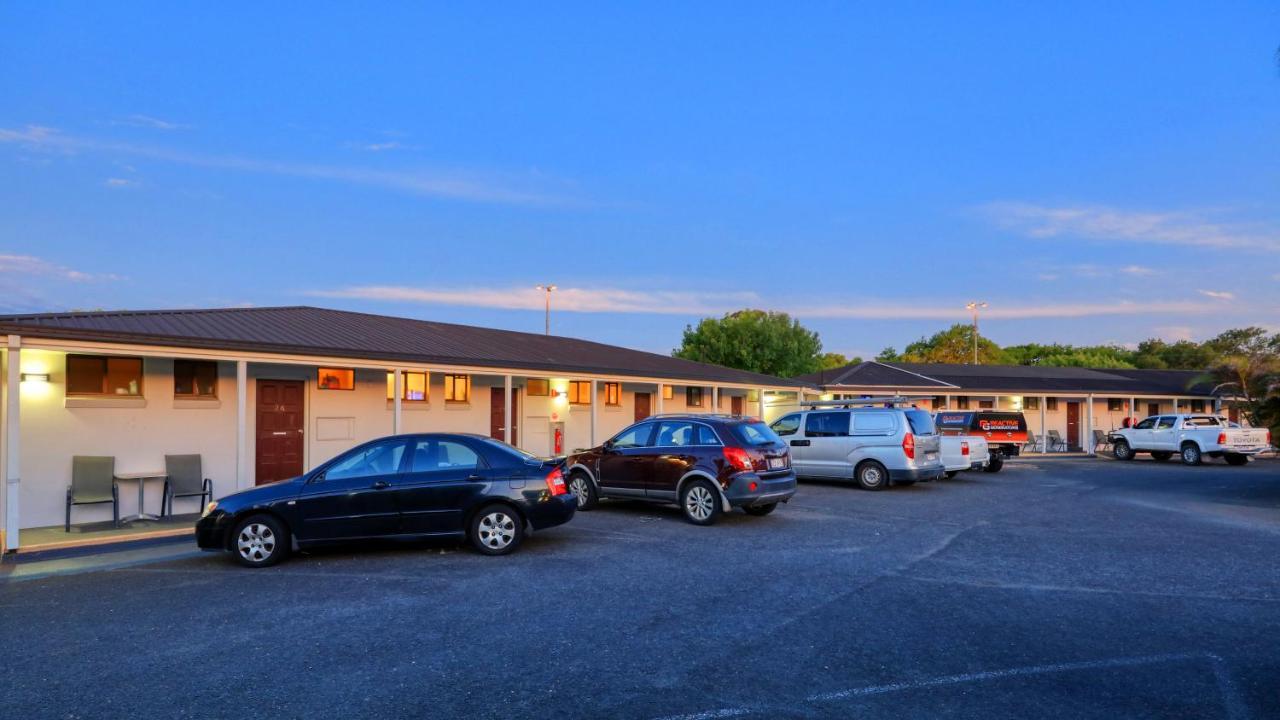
[
  {"x": 755, "y": 433},
  {"x": 921, "y": 422}
]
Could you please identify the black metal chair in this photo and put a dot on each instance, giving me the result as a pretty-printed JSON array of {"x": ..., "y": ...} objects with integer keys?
[
  {"x": 1100, "y": 441},
  {"x": 1055, "y": 441},
  {"x": 184, "y": 477},
  {"x": 93, "y": 482}
]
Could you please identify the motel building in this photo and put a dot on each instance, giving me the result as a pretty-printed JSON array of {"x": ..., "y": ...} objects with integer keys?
[
  {"x": 1073, "y": 402},
  {"x": 263, "y": 394}
]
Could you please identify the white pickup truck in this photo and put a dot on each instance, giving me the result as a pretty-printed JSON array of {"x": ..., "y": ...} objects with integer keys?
[
  {"x": 1193, "y": 437},
  {"x": 964, "y": 452}
]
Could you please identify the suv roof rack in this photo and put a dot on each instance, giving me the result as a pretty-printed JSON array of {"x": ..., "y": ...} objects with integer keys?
[{"x": 696, "y": 415}]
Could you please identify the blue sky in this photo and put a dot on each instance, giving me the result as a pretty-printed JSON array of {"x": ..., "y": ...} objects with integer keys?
[{"x": 1096, "y": 173}]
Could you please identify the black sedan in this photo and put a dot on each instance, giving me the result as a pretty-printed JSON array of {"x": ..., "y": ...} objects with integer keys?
[{"x": 405, "y": 486}]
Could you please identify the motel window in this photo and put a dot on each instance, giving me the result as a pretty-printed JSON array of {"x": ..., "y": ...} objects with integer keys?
[
  {"x": 985, "y": 404},
  {"x": 457, "y": 388},
  {"x": 1197, "y": 406},
  {"x": 693, "y": 397},
  {"x": 939, "y": 401},
  {"x": 99, "y": 375},
  {"x": 336, "y": 379},
  {"x": 537, "y": 387},
  {"x": 413, "y": 386},
  {"x": 1051, "y": 404},
  {"x": 1115, "y": 405},
  {"x": 613, "y": 393},
  {"x": 195, "y": 378},
  {"x": 1031, "y": 403},
  {"x": 668, "y": 392},
  {"x": 962, "y": 403},
  {"x": 579, "y": 392}
]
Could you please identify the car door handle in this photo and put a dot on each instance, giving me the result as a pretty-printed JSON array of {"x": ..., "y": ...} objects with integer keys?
[
  {"x": 799, "y": 443},
  {"x": 381, "y": 485},
  {"x": 475, "y": 478}
]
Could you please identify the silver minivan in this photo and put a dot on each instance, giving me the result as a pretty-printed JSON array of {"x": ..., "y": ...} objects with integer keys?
[{"x": 874, "y": 446}]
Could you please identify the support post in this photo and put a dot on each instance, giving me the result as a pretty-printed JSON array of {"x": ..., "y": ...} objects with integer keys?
[
  {"x": 761, "y": 391},
  {"x": 1133, "y": 409},
  {"x": 397, "y": 393},
  {"x": 508, "y": 420},
  {"x": 595, "y": 400},
  {"x": 661, "y": 391},
  {"x": 1044, "y": 432},
  {"x": 1088, "y": 424},
  {"x": 242, "y": 426},
  {"x": 947, "y": 402},
  {"x": 12, "y": 442},
  {"x": 715, "y": 399}
]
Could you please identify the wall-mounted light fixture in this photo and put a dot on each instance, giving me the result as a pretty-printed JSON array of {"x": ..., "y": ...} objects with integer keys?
[{"x": 35, "y": 377}]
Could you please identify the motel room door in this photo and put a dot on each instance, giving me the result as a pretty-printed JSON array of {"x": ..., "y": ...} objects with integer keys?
[
  {"x": 279, "y": 430},
  {"x": 1073, "y": 426},
  {"x": 498, "y": 421},
  {"x": 642, "y": 406},
  {"x": 735, "y": 405}
]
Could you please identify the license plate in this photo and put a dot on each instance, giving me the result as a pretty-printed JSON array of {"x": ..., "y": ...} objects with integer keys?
[
  {"x": 777, "y": 463},
  {"x": 931, "y": 456}
]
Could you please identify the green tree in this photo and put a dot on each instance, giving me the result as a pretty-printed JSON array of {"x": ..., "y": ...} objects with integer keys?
[
  {"x": 1248, "y": 365},
  {"x": 833, "y": 360},
  {"x": 765, "y": 342},
  {"x": 888, "y": 354},
  {"x": 953, "y": 345}
]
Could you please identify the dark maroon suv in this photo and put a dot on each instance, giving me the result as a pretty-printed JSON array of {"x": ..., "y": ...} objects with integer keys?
[{"x": 708, "y": 464}]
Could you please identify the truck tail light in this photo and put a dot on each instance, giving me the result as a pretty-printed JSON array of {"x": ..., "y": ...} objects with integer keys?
[
  {"x": 964, "y": 449},
  {"x": 909, "y": 446},
  {"x": 737, "y": 458},
  {"x": 555, "y": 483},
  {"x": 1222, "y": 438}
]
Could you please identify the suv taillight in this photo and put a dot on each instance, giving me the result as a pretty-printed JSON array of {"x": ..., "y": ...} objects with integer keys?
[
  {"x": 909, "y": 446},
  {"x": 964, "y": 449},
  {"x": 1222, "y": 438},
  {"x": 555, "y": 483},
  {"x": 737, "y": 458}
]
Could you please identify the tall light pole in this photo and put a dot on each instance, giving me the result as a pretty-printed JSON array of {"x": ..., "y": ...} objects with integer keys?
[
  {"x": 548, "y": 289},
  {"x": 974, "y": 307}
]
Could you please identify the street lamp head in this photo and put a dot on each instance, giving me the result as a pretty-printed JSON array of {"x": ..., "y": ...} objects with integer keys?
[
  {"x": 975, "y": 305},
  {"x": 548, "y": 288}
]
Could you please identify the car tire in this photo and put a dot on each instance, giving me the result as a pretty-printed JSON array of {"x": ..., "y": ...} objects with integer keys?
[
  {"x": 952, "y": 473},
  {"x": 1236, "y": 459},
  {"x": 760, "y": 510},
  {"x": 260, "y": 541},
  {"x": 871, "y": 475},
  {"x": 1191, "y": 454},
  {"x": 1161, "y": 455},
  {"x": 700, "y": 502},
  {"x": 1122, "y": 451},
  {"x": 581, "y": 485},
  {"x": 496, "y": 529},
  {"x": 995, "y": 463}
]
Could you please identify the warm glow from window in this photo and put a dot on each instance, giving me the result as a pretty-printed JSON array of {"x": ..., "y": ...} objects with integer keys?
[
  {"x": 668, "y": 392},
  {"x": 457, "y": 388},
  {"x": 538, "y": 387},
  {"x": 413, "y": 386},
  {"x": 612, "y": 393},
  {"x": 336, "y": 379},
  {"x": 99, "y": 375},
  {"x": 579, "y": 392}
]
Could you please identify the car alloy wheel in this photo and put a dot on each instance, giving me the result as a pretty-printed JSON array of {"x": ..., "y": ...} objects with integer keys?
[
  {"x": 497, "y": 530},
  {"x": 256, "y": 543},
  {"x": 1190, "y": 455},
  {"x": 580, "y": 485},
  {"x": 1122, "y": 451},
  {"x": 700, "y": 502}
]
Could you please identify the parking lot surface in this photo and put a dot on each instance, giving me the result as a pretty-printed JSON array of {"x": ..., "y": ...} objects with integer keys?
[{"x": 1059, "y": 588}]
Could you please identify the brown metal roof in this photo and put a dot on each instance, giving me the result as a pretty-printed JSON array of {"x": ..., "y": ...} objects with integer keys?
[{"x": 362, "y": 336}]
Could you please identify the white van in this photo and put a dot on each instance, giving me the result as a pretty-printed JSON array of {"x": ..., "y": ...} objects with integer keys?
[{"x": 873, "y": 446}]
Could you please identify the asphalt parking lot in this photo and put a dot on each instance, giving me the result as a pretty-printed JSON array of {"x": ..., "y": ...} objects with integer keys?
[{"x": 1065, "y": 588}]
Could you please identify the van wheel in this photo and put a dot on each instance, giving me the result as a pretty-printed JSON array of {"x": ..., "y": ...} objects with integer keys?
[
  {"x": 700, "y": 503},
  {"x": 260, "y": 541},
  {"x": 1122, "y": 451},
  {"x": 1190, "y": 454},
  {"x": 871, "y": 475},
  {"x": 994, "y": 464},
  {"x": 1236, "y": 459},
  {"x": 580, "y": 485},
  {"x": 1161, "y": 455}
]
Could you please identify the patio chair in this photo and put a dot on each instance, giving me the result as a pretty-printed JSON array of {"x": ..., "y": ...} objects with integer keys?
[
  {"x": 93, "y": 482},
  {"x": 1033, "y": 443},
  {"x": 1056, "y": 442},
  {"x": 184, "y": 477},
  {"x": 1100, "y": 441}
]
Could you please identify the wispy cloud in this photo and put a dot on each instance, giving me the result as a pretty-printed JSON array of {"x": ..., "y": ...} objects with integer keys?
[
  {"x": 1173, "y": 333},
  {"x": 455, "y": 186},
  {"x": 146, "y": 121},
  {"x": 119, "y": 183},
  {"x": 1114, "y": 224},
  {"x": 614, "y": 300},
  {"x": 1218, "y": 294},
  {"x": 1138, "y": 270},
  {"x": 29, "y": 265},
  {"x": 378, "y": 147}
]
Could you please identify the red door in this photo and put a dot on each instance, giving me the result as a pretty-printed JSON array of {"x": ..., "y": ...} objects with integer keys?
[
  {"x": 735, "y": 405},
  {"x": 279, "y": 430},
  {"x": 1073, "y": 425},
  {"x": 642, "y": 406},
  {"x": 498, "y": 420}
]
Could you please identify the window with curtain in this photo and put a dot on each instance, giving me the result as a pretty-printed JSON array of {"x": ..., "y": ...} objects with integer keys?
[{"x": 104, "y": 375}]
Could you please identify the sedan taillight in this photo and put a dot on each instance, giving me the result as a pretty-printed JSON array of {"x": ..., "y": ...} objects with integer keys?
[
  {"x": 555, "y": 483},
  {"x": 737, "y": 458}
]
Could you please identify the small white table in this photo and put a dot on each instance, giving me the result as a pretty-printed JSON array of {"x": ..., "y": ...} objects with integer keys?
[{"x": 142, "y": 478}]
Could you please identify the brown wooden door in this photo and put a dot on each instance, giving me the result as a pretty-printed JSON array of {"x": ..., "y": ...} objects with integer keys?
[
  {"x": 498, "y": 420},
  {"x": 279, "y": 430},
  {"x": 735, "y": 405},
  {"x": 1073, "y": 425},
  {"x": 642, "y": 406},
  {"x": 1153, "y": 409}
]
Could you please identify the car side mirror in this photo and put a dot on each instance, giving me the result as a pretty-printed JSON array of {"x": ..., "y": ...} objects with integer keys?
[{"x": 608, "y": 445}]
